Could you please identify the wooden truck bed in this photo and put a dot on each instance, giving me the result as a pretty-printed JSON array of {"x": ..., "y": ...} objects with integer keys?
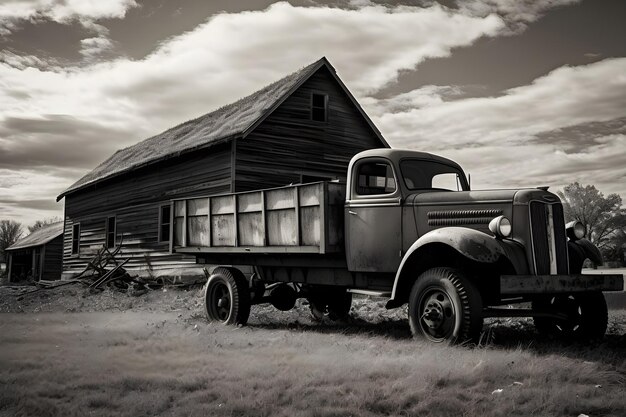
[{"x": 305, "y": 218}]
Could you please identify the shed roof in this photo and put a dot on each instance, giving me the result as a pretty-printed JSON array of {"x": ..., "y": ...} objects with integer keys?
[
  {"x": 233, "y": 120},
  {"x": 39, "y": 237}
]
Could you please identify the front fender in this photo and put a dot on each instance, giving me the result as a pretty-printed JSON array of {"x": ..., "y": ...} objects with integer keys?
[
  {"x": 473, "y": 244},
  {"x": 470, "y": 243},
  {"x": 578, "y": 251}
]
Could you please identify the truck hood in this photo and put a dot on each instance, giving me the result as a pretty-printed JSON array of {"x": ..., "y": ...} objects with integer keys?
[{"x": 515, "y": 196}]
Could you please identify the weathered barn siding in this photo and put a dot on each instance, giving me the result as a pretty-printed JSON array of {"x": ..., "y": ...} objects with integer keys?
[
  {"x": 134, "y": 200},
  {"x": 270, "y": 141},
  {"x": 288, "y": 144}
]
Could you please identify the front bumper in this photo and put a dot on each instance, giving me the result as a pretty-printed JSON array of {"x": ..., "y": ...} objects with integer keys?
[{"x": 559, "y": 284}]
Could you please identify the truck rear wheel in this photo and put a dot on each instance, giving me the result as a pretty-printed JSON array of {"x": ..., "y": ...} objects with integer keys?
[
  {"x": 335, "y": 305},
  {"x": 587, "y": 316},
  {"x": 227, "y": 297},
  {"x": 445, "y": 307}
]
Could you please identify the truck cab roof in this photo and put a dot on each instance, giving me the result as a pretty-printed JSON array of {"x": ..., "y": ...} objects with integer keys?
[{"x": 396, "y": 155}]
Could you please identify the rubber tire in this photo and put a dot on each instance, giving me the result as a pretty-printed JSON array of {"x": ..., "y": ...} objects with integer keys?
[
  {"x": 593, "y": 319},
  {"x": 239, "y": 292},
  {"x": 334, "y": 305},
  {"x": 464, "y": 297}
]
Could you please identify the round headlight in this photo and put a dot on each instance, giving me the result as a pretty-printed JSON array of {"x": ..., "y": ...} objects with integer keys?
[
  {"x": 500, "y": 226},
  {"x": 575, "y": 230}
]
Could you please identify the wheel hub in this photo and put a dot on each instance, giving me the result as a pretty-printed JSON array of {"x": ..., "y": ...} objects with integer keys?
[
  {"x": 433, "y": 314},
  {"x": 222, "y": 302}
]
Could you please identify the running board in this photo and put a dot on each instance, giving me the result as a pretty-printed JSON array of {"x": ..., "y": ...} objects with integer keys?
[{"x": 385, "y": 294}]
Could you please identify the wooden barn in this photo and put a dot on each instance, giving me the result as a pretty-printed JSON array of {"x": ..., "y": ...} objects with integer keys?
[
  {"x": 305, "y": 127},
  {"x": 38, "y": 255}
]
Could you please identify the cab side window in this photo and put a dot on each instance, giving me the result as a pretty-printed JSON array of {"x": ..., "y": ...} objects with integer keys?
[{"x": 375, "y": 178}]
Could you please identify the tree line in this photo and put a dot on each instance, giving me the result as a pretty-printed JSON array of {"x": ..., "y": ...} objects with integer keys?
[{"x": 603, "y": 217}]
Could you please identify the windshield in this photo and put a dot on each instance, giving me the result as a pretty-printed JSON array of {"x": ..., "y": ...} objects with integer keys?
[{"x": 420, "y": 174}]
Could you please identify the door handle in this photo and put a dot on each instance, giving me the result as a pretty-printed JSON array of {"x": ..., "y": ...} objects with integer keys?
[{"x": 352, "y": 212}]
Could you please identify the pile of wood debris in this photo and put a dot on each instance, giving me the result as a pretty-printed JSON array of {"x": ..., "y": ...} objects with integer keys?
[{"x": 106, "y": 270}]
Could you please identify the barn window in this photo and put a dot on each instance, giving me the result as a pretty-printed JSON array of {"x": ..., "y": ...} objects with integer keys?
[
  {"x": 319, "y": 107},
  {"x": 164, "y": 223},
  {"x": 76, "y": 239},
  {"x": 110, "y": 232}
]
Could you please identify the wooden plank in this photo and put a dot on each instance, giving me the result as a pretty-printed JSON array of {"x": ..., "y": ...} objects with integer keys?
[
  {"x": 42, "y": 257},
  {"x": 222, "y": 230},
  {"x": 281, "y": 227},
  {"x": 555, "y": 284},
  {"x": 10, "y": 266},
  {"x": 296, "y": 209},
  {"x": 264, "y": 218},
  {"x": 251, "y": 232},
  {"x": 235, "y": 221},
  {"x": 323, "y": 222},
  {"x": 222, "y": 204},
  {"x": 185, "y": 223},
  {"x": 310, "y": 194},
  {"x": 171, "y": 242},
  {"x": 197, "y": 207},
  {"x": 210, "y": 243},
  {"x": 280, "y": 198},
  {"x": 250, "y": 202},
  {"x": 310, "y": 225},
  {"x": 248, "y": 249}
]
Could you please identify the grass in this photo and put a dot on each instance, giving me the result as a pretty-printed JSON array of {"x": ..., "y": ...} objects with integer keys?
[{"x": 164, "y": 363}]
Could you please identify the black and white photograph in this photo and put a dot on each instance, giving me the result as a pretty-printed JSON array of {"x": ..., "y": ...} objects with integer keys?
[{"x": 312, "y": 208}]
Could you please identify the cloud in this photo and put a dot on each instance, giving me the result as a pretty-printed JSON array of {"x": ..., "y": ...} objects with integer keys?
[
  {"x": 60, "y": 11},
  {"x": 85, "y": 12},
  {"x": 50, "y": 141},
  {"x": 517, "y": 13},
  {"x": 567, "y": 96},
  {"x": 567, "y": 125},
  {"x": 95, "y": 47},
  {"x": 24, "y": 195}
]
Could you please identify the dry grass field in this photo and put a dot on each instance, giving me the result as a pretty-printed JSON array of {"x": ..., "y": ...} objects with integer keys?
[{"x": 72, "y": 354}]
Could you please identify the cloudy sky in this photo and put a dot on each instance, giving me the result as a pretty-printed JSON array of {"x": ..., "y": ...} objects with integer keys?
[{"x": 520, "y": 92}]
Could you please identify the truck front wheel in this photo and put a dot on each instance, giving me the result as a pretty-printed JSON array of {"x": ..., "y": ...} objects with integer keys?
[
  {"x": 445, "y": 307},
  {"x": 586, "y": 316},
  {"x": 227, "y": 296}
]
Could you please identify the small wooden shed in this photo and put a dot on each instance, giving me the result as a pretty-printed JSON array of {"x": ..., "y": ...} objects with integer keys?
[{"x": 39, "y": 255}]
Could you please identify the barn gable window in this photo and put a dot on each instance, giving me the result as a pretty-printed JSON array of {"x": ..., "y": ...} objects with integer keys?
[
  {"x": 75, "y": 239},
  {"x": 164, "y": 223},
  {"x": 319, "y": 107},
  {"x": 111, "y": 227}
]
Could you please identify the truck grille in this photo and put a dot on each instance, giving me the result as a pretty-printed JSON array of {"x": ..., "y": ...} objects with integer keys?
[{"x": 548, "y": 237}]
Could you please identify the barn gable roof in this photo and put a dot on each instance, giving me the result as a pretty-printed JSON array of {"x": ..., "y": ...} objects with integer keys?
[
  {"x": 234, "y": 120},
  {"x": 39, "y": 237}
]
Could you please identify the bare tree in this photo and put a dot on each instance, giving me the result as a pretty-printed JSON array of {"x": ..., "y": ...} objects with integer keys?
[
  {"x": 10, "y": 232},
  {"x": 602, "y": 216},
  {"x": 41, "y": 223}
]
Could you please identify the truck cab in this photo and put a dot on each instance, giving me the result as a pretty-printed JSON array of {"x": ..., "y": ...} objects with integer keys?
[{"x": 454, "y": 250}]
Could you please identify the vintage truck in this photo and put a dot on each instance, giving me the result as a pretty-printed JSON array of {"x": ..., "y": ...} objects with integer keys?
[{"x": 407, "y": 227}]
